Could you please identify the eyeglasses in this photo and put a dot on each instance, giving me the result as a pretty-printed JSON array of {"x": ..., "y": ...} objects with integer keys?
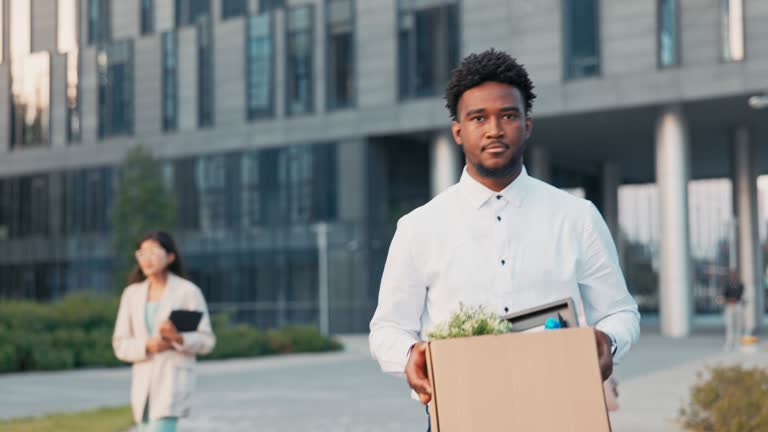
[{"x": 149, "y": 253}]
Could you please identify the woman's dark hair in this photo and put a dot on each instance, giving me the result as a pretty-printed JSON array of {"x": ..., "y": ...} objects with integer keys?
[{"x": 166, "y": 242}]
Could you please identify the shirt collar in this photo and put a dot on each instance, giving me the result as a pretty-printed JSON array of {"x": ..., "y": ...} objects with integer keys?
[{"x": 478, "y": 194}]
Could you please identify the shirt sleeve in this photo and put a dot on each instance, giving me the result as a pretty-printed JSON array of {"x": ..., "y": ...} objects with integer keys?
[
  {"x": 607, "y": 302},
  {"x": 396, "y": 324},
  {"x": 125, "y": 344}
]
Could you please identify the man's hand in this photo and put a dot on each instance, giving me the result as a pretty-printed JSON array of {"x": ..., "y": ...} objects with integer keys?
[
  {"x": 156, "y": 345},
  {"x": 604, "y": 357},
  {"x": 416, "y": 372},
  {"x": 169, "y": 333}
]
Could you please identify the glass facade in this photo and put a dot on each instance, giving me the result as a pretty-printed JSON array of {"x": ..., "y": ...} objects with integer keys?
[
  {"x": 67, "y": 40},
  {"x": 204, "y": 72},
  {"x": 270, "y": 5},
  {"x": 233, "y": 8},
  {"x": 428, "y": 45},
  {"x": 259, "y": 63},
  {"x": 300, "y": 76},
  {"x": 99, "y": 20},
  {"x": 114, "y": 65},
  {"x": 581, "y": 38},
  {"x": 30, "y": 83},
  {"x": 170, "y": 73},
  {"x": 147, "y": 16},
  {"x": 189, "y": 12},
  {"x": 244, "y": 230},
  {"x": 669, "y": 33},
  {"x": 340, "y": 53}
]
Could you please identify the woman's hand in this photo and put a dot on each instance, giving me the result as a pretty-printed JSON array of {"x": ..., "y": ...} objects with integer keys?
[
  {"x": 156, "y": 345},
  {"x": 169, "y": 333}
]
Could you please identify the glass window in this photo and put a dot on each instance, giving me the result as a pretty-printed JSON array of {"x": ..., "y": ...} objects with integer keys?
[
  {"x": 341, "y": 53},
  {"x": 669, "y": 37},
  {"x": 189, "y": 12},
  {"x": 732, "y": 24},
  {"x": 306, "y": 183},
  {"x": 259, "y": 55},
  {"x": 428, "y": 45},
  {"x": 147, "y": 16},
  {"x": 68, "y": 44},
  {"x": 187, "y": 195},
  {"x": 204, "y": 73},
  {"x": 270, "y": 5},
  {"x": 114, "y": 65},
  {"x": 233, "y": 8},
  {"x": 99, "y": 20},
  {"x": 250, "y": 176},
  {"x": 170, "y": 80},
  {"x": 581, "y": 38},
  {"x": 212, "y": 183},
  {"x": 30, "y": 83},
  {"x": 299, "y": 57}
]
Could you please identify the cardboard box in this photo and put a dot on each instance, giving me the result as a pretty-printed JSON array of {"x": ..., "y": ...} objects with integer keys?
[{"x": 520, "y": 382}]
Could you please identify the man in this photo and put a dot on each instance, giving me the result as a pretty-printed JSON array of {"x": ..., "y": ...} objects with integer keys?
[
  {"x": 498, "y": 238},
  {"x": 733, "y": 314}
]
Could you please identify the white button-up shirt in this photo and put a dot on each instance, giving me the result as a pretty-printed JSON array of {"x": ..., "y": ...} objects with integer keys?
[{"x": 527, "y": 245}]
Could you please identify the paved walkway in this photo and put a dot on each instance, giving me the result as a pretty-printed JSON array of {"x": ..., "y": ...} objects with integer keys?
[{"x": 346, "y": 392}]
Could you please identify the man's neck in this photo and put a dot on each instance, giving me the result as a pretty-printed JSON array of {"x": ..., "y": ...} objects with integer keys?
[{"x": 493, "y": 183}]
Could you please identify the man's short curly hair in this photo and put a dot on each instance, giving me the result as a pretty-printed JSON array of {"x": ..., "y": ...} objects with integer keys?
[{"x": 489, "y": 65}]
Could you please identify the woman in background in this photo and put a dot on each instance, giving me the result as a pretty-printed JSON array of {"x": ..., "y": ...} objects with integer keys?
[{"x": 163, "y": 359}]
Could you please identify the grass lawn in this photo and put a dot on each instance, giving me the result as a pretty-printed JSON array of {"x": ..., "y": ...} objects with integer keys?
[{"x": 115, "y": 419}]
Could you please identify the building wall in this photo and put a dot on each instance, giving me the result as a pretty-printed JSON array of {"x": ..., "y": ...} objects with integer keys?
[{"x": 528, "y": 30}]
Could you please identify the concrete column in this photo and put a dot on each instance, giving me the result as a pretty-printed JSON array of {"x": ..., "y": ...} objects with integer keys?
[
  {"x": 350, "y": 263},
  {"x": 188, "y": 98},
  {"x": 280, "y": 25},
  {"x": 58, "y": 105},
  {"x": 165, "y": 15},
  {"x": 5, "y": 106},
  {"x": 445, "y": 163},
  {"x": 540, "y": 165},
  {"x": 609, "y": 185},
  {"x": 672, "y": 175},
  {"x": 750, "y": 258},
  {"x": 319, "y": 58}
]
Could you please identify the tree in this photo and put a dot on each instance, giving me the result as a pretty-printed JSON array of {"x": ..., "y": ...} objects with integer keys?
[{"x": 142, "y": 203}]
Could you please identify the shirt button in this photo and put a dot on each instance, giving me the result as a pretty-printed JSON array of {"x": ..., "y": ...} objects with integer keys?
[
  {"x": 499, "y": 218},
  {"x": 498, "y": 197},
  {"x": 503, "y": 262},
  {"x": 506, "y": 309}
]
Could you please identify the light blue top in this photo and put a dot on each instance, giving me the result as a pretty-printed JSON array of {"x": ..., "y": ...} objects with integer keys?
[{"x": 151, "y": 313}]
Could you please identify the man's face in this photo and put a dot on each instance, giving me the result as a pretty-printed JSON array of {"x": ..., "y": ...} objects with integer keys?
[{"x": 492, "y": 126}]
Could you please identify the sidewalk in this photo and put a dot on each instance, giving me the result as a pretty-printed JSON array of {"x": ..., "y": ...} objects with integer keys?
[{"x": 347, "y": 392}]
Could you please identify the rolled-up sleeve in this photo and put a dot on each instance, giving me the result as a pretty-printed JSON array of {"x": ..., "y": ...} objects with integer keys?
[
  {"x": 396, "y": 325},
  {"x": 607, "y": 303}
]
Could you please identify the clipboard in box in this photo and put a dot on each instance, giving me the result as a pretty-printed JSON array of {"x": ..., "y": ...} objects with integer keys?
[{"x": 535, "y": 318}]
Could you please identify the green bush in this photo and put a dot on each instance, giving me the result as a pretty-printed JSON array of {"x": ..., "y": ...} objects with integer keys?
[
  {"x": 728, "y": 399},
  {"x": 77, "y": 332}
]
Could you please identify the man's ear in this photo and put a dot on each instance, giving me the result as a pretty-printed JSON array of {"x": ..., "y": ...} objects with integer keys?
[
  {"x": 456, "y": 131},
  {"x": 528, "y": 126}
]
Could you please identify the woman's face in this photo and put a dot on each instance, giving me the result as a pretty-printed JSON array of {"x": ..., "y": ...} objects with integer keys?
[{"x": 152, "y": 258}]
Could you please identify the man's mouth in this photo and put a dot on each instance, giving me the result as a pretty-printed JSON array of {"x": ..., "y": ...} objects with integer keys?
[{"x": 496, "y": 147}]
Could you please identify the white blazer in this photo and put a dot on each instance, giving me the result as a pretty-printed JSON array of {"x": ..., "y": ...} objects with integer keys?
[{"x": 167, "y": 378}]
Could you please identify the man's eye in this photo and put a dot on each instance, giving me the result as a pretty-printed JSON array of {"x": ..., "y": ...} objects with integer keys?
[
  {"x": 478, "y": 118},
  {"x": 512, "y": 116}
]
